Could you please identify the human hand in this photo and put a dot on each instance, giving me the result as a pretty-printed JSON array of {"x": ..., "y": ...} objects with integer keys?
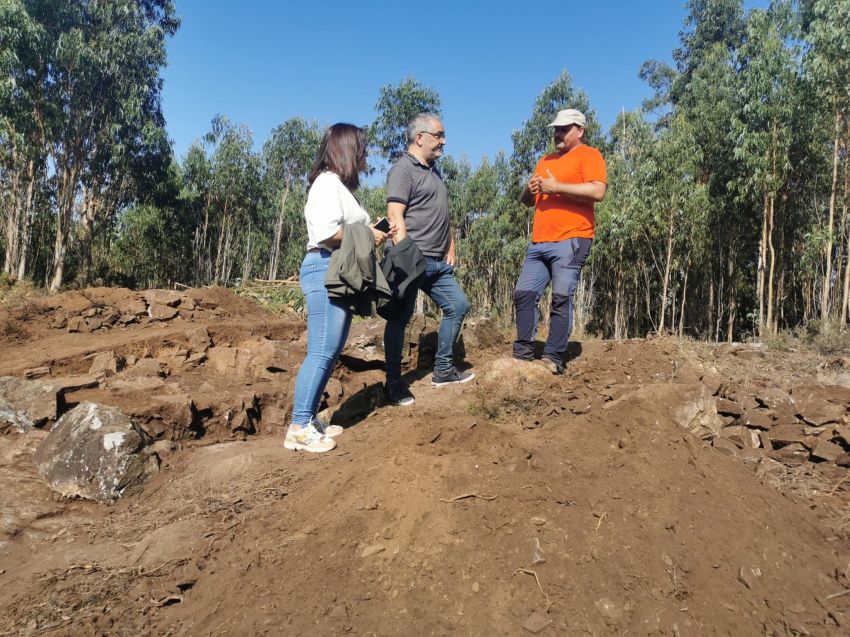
[
  {"x": 549, "y": 185},
  {"x": 380, "y": 237},
  {"x": 534, "y": 185}
]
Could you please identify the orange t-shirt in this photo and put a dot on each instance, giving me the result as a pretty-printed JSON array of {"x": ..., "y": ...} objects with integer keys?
[{"x": 555, "y": 217}]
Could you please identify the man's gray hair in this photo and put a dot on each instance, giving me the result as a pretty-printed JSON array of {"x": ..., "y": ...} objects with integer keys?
[{"x": 420, "y": 124}]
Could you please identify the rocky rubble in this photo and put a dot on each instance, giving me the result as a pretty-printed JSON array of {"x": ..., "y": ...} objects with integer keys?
[
  {"x": 106, "y": 308},
  {"x": 810, "y": 426}
]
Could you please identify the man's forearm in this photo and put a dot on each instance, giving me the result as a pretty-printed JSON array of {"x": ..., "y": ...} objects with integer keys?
[
  {"x": 589, "y": 191},
  {"x": 395, "y": 214},
  {"x": 526, "y": 198}
]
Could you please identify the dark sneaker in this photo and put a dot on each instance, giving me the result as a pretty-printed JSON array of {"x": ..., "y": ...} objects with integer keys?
[
  {"x": 452, "y": 377},
  {"x": 552, "y": 366},
  {"x": 399, "y": 394}
]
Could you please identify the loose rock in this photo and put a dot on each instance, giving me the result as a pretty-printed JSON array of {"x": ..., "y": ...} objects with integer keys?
[{"x": 94, "y": 452}]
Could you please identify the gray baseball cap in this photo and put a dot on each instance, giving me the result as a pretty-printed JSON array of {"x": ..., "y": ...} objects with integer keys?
[{"x": 569, "y": 116}]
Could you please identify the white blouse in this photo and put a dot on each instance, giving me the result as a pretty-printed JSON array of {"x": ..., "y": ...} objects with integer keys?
[{"x": 330, "y": 205}]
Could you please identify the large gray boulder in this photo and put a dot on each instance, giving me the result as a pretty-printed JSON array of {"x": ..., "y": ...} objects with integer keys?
[{"x": 95, "y": 452}]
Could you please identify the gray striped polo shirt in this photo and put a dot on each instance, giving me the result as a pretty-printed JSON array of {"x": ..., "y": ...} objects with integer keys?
[{"x": 420, "y": 187}]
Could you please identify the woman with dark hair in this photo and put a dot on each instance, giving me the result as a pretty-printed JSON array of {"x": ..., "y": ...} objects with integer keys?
[{"x": 330, "y": 206}]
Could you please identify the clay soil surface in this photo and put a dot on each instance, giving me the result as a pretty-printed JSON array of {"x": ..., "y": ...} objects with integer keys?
[{"x": 659, "y": 487}]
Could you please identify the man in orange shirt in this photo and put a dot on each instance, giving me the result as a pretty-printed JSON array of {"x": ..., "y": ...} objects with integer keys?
[{"x": 563, "y": 190}]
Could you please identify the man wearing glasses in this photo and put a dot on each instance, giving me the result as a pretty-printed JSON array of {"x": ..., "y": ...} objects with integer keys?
[
  {"x": 418, "y": 204},
  {"x": 563, "y": 189}
]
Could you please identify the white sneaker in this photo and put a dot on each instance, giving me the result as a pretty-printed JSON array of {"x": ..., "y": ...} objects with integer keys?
[
  {"x": 331, "y": 431},
  {"x": 307, "y": 438}
]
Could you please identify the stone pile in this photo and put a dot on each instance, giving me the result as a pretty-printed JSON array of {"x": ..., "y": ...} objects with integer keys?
[
  {"x": 811, "y": 426},
  {"x": 92, "y": 312}
]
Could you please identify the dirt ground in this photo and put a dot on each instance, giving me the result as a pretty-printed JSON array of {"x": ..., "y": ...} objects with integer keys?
[{"x": 593, "y": 503}]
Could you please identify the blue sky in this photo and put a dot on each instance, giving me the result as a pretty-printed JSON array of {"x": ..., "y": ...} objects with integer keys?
[{"x": 261, "y": 63}]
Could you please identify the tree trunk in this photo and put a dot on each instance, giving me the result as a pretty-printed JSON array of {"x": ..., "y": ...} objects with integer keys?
[
  {"x": 667, "y": 266},
  {"x": 772, "y": 271},
  {"x": 275, "y": 252},
  {"x": 219, "y": 255},
  {"x": 762, "y": 260},
  {"x": 64, "y": 212},
  {"x": 827, "y": 274},
  {"x": 246, "y": 265},
  {"x": 26, "y": 224},
  {"x": 13, "y": 216},
  {"x": 733, "y": 300},
  {"x": 846, "y": 295},
  {"x": 684, "y": 297}
]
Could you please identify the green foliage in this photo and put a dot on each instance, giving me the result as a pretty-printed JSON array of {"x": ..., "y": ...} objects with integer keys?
[
  {"x": 826, "y": 338},
  {"x": 396, "y": 106},
  {"x": 533, "y": 138},
  {"x": 275, "y": 298}
]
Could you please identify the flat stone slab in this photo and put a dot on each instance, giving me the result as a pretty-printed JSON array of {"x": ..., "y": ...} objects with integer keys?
[{"x": 25, "y": 404}]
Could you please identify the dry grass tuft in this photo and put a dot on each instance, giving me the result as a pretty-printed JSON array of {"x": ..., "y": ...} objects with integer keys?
[{"x": 510, "y": 400}]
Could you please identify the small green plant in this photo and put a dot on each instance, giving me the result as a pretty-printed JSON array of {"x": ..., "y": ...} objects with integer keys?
[
  {"x": 832, "y": 342},
  {"x": 826, "y": 337},
  {"x": 11, "y": 329},
  {"x": 781, "y": 341}
]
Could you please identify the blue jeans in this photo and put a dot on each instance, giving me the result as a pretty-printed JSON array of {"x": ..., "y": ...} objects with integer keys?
[
  {"x": 440, "y": 284},
  {"x": 559, "y": 262},
  {"x": 328, "y": 322}
]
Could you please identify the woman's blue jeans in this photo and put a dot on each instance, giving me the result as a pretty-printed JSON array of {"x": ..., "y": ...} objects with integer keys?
[{"x": 328, "y": 322}]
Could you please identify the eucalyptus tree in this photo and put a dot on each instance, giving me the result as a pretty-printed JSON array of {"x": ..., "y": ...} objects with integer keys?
[
  {"x": 763, "y": 130},
  {"x": 678, "y": 210},
  {"x": 150, "y": 241},
  {"x": 709, "y": 23},
  {"x": 456, "y": 174},
  {"x": 621, "y": 251},
  {"x": 196, "y": 197},
  {"x": 473, "y": 194},
  {"x": 534, "y": 138},
  {"x": 286, "y": 160},
  {"x": 396, "y": 106},
  {"x": 105, "y": 82},
  {"x": 827, "y": 63},
  {"x": 23, "y": 112},
  {"x": 234, "y": 188}
]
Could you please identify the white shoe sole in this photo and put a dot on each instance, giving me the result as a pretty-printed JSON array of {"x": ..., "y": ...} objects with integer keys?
[{"x": 293, "y": 445}]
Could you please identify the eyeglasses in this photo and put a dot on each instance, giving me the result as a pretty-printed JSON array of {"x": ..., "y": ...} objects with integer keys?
[{"x": 438, "y": 135}]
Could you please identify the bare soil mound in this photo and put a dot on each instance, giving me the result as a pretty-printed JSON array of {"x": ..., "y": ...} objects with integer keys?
[{"x": 659, "y": 487}]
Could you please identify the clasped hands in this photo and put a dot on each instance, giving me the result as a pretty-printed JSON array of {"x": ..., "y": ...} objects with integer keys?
[{"x": 540, "y": 186}]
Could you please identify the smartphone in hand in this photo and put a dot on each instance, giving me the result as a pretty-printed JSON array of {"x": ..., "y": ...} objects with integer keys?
[{"x": 382, "y": 224}]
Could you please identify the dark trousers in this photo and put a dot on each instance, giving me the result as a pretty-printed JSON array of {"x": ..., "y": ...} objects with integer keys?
[{"x": 559, "y": 262}]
